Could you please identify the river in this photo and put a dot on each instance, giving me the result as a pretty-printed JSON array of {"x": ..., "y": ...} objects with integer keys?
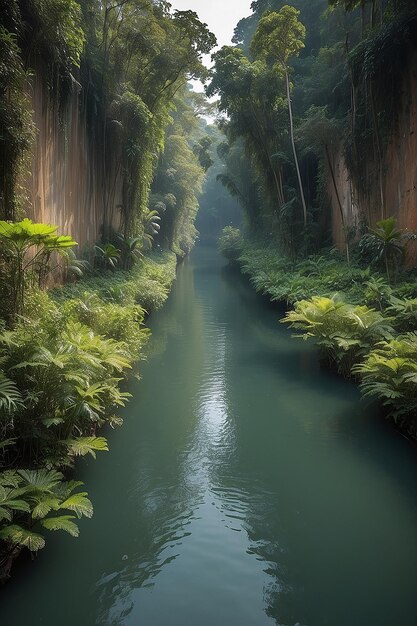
[{"x": 247, "y": 487}]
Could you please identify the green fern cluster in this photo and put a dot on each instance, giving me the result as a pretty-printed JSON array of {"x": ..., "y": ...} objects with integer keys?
[
  {"x": 362, "y": 325},
  {"x": 284, "y": 280},
  {"x": 344, "y": 332},
  {"x": 61, "y": 366},
  {"x": 389, "y": 373},
  {"x": 32, "y": 501},
  {"x": 147, "y": 284}
]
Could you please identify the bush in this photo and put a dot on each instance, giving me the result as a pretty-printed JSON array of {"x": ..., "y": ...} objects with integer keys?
[
  {"x": 344, "y": 332},
  {"x": 60, "y": 372},
  {"x": 231, "y": 243},
  {"x": 390, "y": 374}
]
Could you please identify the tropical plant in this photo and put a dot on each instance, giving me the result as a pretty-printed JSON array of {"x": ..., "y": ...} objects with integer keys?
[
  {"x": 151, "y": 226},
  {"x": 344, "y": 332},
  {"x": 377, "y": 293},
  {"x": 75, "y": 268},
  {"x": 26, "y": 248},
  {"x": 106, "y": 256},
  {"x": 10, "y": 396},
  {"x": 389, "y": 246},
  {"x": 389, "y": 373},
  {"x": 29, "y": 503},
  {"x": 130, "y": 250},
  {"x": 404, "y": 313},
  {"x": 231, "y": 243}
]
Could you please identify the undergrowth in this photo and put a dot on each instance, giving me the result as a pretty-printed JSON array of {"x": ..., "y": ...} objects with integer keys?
[
  {"x": 62, "y": 363},
  {"x": 363, "y": 326}
]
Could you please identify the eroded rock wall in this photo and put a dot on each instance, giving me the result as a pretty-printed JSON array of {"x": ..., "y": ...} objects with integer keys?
[
  {"x": 72, "y": 183},
  {"x": 399, "y": 180}
]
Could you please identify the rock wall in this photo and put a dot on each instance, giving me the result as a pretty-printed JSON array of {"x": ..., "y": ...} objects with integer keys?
[
  {"x": 72, "y": 183},
  {"x": 400, "y": 177}
]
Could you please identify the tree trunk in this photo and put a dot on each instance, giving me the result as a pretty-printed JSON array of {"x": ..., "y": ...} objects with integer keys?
[
  {"x": 379, "y": 150},
  {"x": 297, "y": 167},
  {"x": 342, "y": 217}
]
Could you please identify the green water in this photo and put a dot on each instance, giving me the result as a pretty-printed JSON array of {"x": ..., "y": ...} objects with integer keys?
[{"x": 246, "y": 488}]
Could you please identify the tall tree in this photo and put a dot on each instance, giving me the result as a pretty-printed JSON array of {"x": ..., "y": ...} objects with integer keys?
[{"x": 278, "y": 38}]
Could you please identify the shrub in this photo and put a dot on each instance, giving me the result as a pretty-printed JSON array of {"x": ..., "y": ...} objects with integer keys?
[
  {"x": 231, "y": 243},
  {"x": 390, "y": 374},
  {"x": 344, "y": 332},
  {"x": 60, "y": 372}
]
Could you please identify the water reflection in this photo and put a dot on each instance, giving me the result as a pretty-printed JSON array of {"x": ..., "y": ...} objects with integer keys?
[
  {"x": 164, "y": 494},
  {"x": 247, "y": 487}
]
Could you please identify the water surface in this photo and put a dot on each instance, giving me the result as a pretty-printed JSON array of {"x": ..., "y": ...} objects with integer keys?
[{"x": 246, "y": 488}]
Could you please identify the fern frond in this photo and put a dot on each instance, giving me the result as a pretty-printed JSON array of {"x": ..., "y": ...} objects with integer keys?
[
  {"x": 86, "y": 445},
  {"x": 79, "y": 503},
  {"x": 22, "y": 537},
  {"x": 63, "y": 522}
]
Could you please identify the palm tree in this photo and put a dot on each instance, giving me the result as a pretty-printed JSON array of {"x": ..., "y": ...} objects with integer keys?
[
  {"x": 387, "y": 240},
  {"x": 107, "y": 255}
]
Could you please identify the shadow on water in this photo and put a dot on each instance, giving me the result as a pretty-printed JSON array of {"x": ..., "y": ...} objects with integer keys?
[{"x": 247, "y": 487}]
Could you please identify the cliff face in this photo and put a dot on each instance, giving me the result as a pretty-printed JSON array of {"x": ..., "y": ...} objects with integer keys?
[
  {"x": 399, "y": 180},
  {"x": 76, "y": 186},
  {"x": 72, "y": 183}
]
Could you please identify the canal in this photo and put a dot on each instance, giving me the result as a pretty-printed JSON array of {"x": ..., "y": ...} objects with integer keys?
[{"x": 247, "y": 487}]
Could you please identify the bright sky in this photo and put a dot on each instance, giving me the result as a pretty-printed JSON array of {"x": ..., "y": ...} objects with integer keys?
[{"x": 221, "y": 16}]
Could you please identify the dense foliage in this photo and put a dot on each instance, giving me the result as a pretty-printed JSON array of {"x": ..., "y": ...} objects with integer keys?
[
  {"x": 63, "y": 357},
  {"x": 302, "y": 87},
  {"x": 129, "y": 63},
  {"x": 304, "y": 90},
  {"x": 363, "y": 325},
  {"x": 64, "y": 353}
]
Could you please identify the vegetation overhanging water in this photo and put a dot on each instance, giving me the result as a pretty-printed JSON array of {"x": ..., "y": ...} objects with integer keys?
[{"x": 247, "y": 486}]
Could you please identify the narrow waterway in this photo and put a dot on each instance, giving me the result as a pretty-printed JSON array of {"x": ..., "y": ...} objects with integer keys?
[{"x": 246, "y": 488}]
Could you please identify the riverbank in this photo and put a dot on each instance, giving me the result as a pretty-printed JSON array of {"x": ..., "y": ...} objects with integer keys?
[
  {"x": 62, "y": 367},
  {"x": 247, "y": 487},
  {"x": 364, "y": 327}
]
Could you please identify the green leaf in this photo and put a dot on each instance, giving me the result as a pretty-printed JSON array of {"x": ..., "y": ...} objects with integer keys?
[
  {"x": 45, "y": 506},
  {"x": 10, "y": 396},
  {"x": 79, "y": 503},
  {"x": 86, "y": 445},
  {"x": 63, "y": 522},
  {"x": 7, "y": 443},
  {"x": 5, "y": 514},
  {"x": 52, "y": 421},
  {"x": 43, "y": 479},
  {"x": 22, "y": 537},
  {"x": 9, "y": 478}
]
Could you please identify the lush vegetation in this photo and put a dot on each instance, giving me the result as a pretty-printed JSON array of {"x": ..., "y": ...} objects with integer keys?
[
  {"x": 63, "y": 356},
  {"x": 303, "y": 88},
  {"x": 129, "y": 64},
  {"x": 64, "y": 352},
  {"x": 363, "y": 322}
]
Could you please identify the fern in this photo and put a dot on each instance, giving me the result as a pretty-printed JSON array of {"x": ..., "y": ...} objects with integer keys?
[
  {"x": 19, "y": 536},
  {"x": 10, "y": 396},
  {"x": 79, "y": 503},
  {"x": 86, "y": 445},
  {"x": 63, "y": 522}
]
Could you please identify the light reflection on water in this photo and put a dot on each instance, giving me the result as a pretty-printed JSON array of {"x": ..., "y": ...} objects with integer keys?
[{"x": 246, "y": 488}]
